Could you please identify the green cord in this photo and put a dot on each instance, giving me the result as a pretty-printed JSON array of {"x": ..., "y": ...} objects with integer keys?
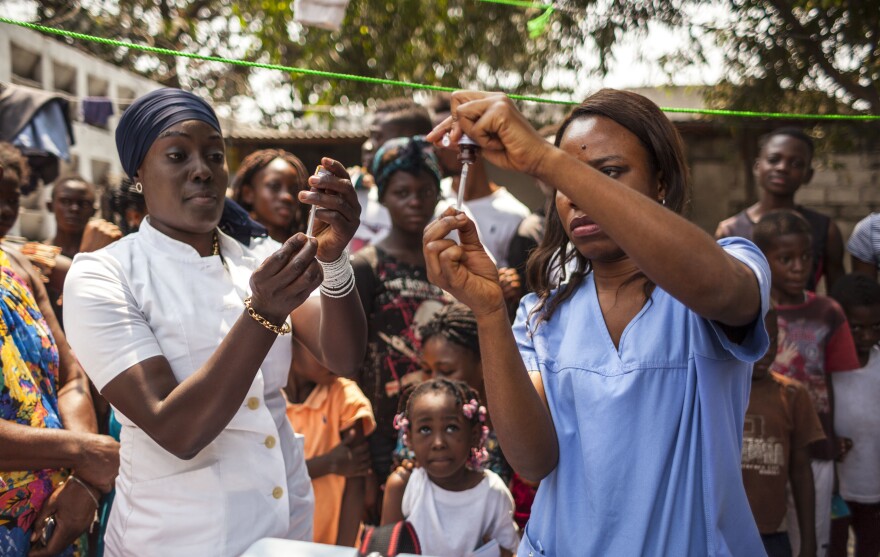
[
  {"x": 397, "y": 83},
  {"x": 521, "y": 4}
]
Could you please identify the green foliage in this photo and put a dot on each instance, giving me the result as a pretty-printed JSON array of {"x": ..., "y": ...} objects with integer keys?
[
  {"x": 781, "y": 55},
  {"x": 802, "y": 55}
]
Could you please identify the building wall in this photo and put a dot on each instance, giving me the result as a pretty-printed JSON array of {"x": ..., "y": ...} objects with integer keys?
[{"x": 30, "y": 58}]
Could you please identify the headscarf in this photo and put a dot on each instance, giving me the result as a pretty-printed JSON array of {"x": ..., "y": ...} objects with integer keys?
[
  {"x": 412, "y": 154},
  {"x": 155, "y": 112},
  {"x": 150, "y": 115}
]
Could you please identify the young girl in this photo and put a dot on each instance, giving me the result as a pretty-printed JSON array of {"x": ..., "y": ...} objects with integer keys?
[
  {"x": 454, "y": 505},
  {"x": 451, "y": 349},
  {"x": 393, "y": 285},
  {"x": 266, "y": 185},
  {"x": 632, "y": 415}
]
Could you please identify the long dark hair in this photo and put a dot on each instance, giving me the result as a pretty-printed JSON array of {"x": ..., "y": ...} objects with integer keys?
[{"x": 661, "y": 140}]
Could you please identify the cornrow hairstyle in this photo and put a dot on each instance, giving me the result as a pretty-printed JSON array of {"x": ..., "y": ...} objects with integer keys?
[
  {"x": 856, "y": 290},
  {"x": 15, "y": 165},
  {"x": 790, "y": 132},
  {"x": 63, "y": 180},
  {"x": 455, "y": 323},
  {"x": 779, "y": 223},
  {"x": 665, "y": 151},
  {"x": 257, "y": 161},
  {"x": 461, "y": 391}
]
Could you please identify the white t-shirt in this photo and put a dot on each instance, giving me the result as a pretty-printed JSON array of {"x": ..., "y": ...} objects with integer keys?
[
  {"x": 149, "y": 295},
  {"x": 497, "y": 215},
  {"x": 375, "y": 220},
  {"x": 455, "y": 523},
  {"x": 857, "y": 416}
]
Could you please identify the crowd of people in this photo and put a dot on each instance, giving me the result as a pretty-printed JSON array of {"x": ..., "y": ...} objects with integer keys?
[{"x": 190, "y": 372}]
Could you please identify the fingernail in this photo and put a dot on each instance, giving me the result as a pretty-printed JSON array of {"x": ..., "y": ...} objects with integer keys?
[{"x": 461, "y": 217}]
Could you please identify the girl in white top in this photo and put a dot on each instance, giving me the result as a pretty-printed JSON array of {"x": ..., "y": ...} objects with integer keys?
[
  {"x": 178, "y": 327},
  {"x": 456, "y": 508}
]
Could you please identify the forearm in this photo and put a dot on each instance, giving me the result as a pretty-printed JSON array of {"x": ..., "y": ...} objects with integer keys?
[
  {"x": 38, "y": 448},
  {"x": 803, "y": 492},
  {"x": 76, "y": 407},
  {"x": 672, "y": 252},
  {"x": 185, "y": 417},
  {"x": 319, "y": 466},
  {"x": 519, "y": 416},
  {"x": 350, "y": 514},
  {"x": 343, "y": 333}
]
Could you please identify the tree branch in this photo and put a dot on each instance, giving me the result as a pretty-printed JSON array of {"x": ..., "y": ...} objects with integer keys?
[{"x": 814, "y": 51}]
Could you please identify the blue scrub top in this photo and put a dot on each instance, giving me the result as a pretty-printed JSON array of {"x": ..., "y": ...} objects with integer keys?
[{"x": 650, "y": 434}]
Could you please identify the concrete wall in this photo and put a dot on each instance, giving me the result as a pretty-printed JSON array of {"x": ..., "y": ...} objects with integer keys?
[{"x": 32, "y": 59}]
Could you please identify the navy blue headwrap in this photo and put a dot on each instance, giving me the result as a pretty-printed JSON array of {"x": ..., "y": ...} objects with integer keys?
[
  {"x": 150, "y": 115},
  {"x": 157, "y": 111}
]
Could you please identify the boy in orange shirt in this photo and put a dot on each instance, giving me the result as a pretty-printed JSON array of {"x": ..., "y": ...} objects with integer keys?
[{"x": 335, "y": 417}]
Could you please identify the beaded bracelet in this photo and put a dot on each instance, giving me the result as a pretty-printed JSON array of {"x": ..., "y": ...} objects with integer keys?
[
  {"x": 282, "y": 329},
  {"x": 338, "y": 277}
]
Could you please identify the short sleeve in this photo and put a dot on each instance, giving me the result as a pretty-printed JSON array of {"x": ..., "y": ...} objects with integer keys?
[
  {"x": 104, "y": 326},
  {"x": 807, "y": 427},
  {"x": 840, "y": 351},
  {"x": 355, "y": 407},
  {"x": 756, "y": 341},
  {"x": 522, "y": 333},
  {"x": 862, "y": 242},
  {"x": 503, "y": 529}
]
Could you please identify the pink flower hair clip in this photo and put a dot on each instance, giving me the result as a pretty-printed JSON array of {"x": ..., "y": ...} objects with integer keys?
[
  {"x": 402, "y": 424},
  {"x": 472, "y": 408}
]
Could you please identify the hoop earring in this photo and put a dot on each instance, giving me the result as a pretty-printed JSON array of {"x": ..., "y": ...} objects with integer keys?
[{"x": 138, "y": 187}]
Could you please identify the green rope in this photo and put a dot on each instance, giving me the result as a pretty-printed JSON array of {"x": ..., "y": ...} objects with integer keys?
[
  {"x": 422, "y": 86},
  {"x": 520, "y": 4}
]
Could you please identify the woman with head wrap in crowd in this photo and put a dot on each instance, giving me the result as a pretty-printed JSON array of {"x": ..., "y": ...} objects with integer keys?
[
  {"x": 181, "y": 329},
  {"x": 266, "y": 185},
  {"x": 53, "y": 465},
  {"x": 394, "y": 287}
]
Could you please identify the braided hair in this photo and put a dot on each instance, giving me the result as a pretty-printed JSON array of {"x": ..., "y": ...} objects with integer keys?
[
  {"x": 455, "y": 323},
  {"x": 467, "y": 399},
  {"x": 257, "y": 161}
]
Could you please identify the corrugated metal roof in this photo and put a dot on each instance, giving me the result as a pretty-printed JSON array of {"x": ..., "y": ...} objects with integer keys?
[{"x": 270, "y": 134}]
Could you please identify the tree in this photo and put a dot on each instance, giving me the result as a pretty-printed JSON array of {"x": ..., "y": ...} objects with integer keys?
[
  {"x": 807, "y": 55},
  {"x": 454, "y": 43},
  {"x": 802, "y": 55}
]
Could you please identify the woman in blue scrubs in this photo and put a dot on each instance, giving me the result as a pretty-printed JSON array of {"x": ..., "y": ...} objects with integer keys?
[{"x": 624, "y": 383}]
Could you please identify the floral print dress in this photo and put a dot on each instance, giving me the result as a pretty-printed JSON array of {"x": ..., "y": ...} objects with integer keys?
[{"x": 28, "y": 396}]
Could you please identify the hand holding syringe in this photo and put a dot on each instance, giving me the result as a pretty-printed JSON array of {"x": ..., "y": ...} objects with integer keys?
[{"x": 310, "y": 226}]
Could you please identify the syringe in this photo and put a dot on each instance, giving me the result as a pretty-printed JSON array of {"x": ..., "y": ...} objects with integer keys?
[
  {"x": 467, "y": 155},
  {"x": 310, "y": 225}
]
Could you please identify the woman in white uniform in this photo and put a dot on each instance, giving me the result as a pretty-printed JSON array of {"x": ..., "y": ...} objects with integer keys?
[{"x": 182, "y": 329}]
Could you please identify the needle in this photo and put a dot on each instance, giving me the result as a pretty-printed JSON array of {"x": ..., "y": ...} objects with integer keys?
[{"x": 461, "y": 183}]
